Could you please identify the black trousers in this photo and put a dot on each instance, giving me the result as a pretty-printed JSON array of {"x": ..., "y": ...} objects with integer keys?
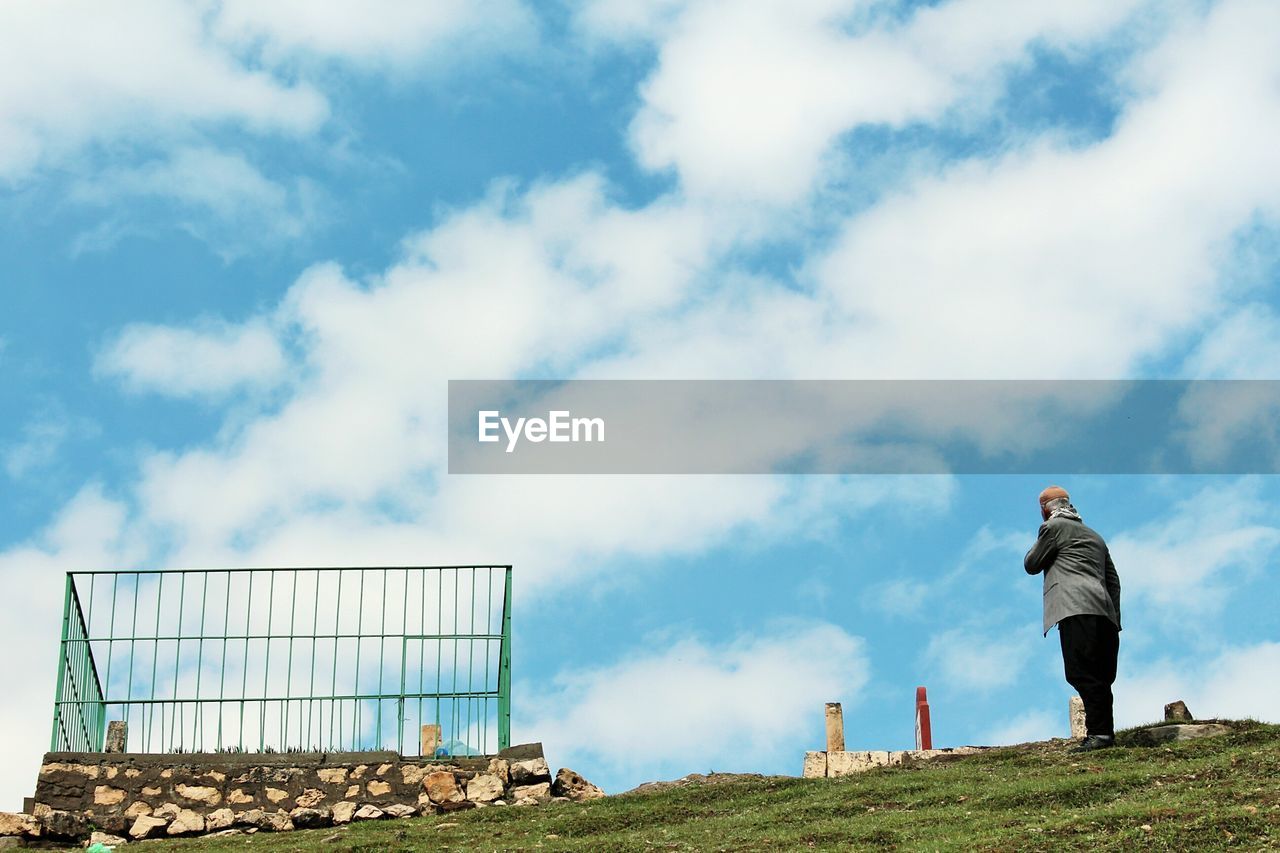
[{"x": 1090, "y": 646}]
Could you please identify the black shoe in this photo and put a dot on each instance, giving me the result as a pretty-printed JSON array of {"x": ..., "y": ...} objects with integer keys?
[{"x": 1093, "y": 742}]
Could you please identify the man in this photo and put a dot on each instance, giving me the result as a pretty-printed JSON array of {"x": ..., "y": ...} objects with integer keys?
[{"x": 1081, "y": 597}]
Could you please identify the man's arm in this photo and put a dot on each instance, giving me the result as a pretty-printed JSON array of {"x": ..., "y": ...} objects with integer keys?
[
  {"x": 1112, "y": 581},
  {"x": 1043, "y": 553}
]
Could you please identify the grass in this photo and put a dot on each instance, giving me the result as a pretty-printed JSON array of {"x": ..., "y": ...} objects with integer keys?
[{"x": 1208, "y": 794}]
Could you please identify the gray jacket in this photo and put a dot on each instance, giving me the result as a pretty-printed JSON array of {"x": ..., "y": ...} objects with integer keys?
[{"x": 1079, "y": 576}]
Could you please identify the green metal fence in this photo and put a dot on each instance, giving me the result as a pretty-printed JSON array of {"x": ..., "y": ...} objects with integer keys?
[{"x": 275, "y": 660}]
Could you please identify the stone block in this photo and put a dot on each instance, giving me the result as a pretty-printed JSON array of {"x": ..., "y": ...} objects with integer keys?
[
  {"x": 117, "y": 736},
  {"x": 835, "y": 727},
  {"x": 530, "y": 772},
  {"x": 501, "y": 768},
  {"x": 844, "y": 763},
  {"x": 1075, "y": 712},
  {"x": 539, "y": 792},
  {"x": 147, "y": 827},
  {"x": 400, "y": 810},
  {"x": 199, "y": 794},
  {"x": 219, "y": 819},
  {"x": 186, "y": 822},
  {"x": 368, "y": 812},
  {"x": 573, "y": 786},
  {"x": 442, "y": 787},
  {"x": 19, "y": 825},
  {"x": 343, "y": 812},
  {"x": 378, "y": 788},
  {"x": 1177, "y": 712},
  {"x": 310, "y": 798},
  {"x": 815, "y": 765},
  {"x": 309, "y": 818},
  {"x": 1179, "y": 732},
  {"x": 485, "y": 788},
  {"x": 332, "y": 775}
]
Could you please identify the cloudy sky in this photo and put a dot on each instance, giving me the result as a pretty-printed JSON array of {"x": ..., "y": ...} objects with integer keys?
[{"x": 243, "y": 247}]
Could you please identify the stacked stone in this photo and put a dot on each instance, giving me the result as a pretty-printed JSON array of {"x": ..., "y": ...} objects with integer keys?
[{"x": 157, "y": 796}]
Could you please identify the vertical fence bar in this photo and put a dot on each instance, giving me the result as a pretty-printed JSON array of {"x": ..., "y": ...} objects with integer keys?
[
  {"x": 58, "y": 695},
  {"x": 504, "y": 667}
]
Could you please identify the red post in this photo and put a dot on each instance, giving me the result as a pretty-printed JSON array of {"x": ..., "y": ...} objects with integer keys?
[{"x": 924, "y": 735}]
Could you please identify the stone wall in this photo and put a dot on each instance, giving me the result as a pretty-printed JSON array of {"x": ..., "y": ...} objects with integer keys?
[
  {"x": 148, "y": 796},
  {"x": 820, "y": 765}
]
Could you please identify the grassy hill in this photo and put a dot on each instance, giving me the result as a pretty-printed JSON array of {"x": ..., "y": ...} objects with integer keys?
[{"x": 1213, "y": 793}]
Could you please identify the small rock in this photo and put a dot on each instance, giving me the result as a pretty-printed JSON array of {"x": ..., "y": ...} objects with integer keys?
[
  {"x": 573, "y": 786},
  {"x": 186, "y": 822},
  {"x": 1177, "y": 712},
  {"x": 19, "y": 824},
  {"x": 539, "y": 792},
  {"x": 1157, "y": 735},
  {"x": 105, "y": 795},
  {"x": 484, "y": 788},
  {"x": 378, "y": 788},
  {"x": 200, "y": 794},
  {"x": 310, "y": 798},
  {"x": 343, "y": 812},
  {"x": 106, "y": 839},
  {"x": 330, "y": 839},
  {"x": 62, "y": 824},
  {"x": 501, "y": 768},
  {"x": 400, "y": 810},
  {"x": 442, "y": 787},
  {"x": 367, "y": 812},
  {"x": 168, "y": 811},
  {"x": 252, "y": 817},
  {"x": 332, "y": 775},
  {"x": 223, "y": 833},
  {"x": 530, "y": 772},
  {"x": 307, "y": 818},
  {"x": 147, "y": 826},
  {"x": 137, "y": 809},
  {"x": 218, "y": 819}
]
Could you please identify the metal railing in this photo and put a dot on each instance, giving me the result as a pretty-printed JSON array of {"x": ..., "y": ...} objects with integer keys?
[{"x": 276, "y": 660}]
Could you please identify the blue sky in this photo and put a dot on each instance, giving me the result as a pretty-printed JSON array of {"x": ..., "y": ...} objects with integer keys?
[{"x": 245, "y": 247}]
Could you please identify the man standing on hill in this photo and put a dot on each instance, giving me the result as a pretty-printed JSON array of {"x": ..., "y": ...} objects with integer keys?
[{"x": 1081, "y": 597}]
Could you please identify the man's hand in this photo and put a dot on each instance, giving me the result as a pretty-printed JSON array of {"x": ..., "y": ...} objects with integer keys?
[{"x": 1043, "y": 553}]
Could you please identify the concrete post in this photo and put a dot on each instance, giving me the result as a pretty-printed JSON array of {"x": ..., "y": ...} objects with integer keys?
[
  {"x": 1075, "y": 710},
  {"x": 835, "y": 727},
  {"x": 117, "y": 736},
  {"x": 430, "y": 739}
]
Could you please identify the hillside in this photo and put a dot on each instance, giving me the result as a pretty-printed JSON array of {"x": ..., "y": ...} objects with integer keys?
[{"x": 1213, "y": 793}]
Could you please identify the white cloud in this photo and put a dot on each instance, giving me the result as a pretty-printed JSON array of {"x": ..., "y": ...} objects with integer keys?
[
  {"x": 376, "y": 32},
  {"x": 1235, "y": 682},
  {"x": 1027, "y": 727},
  {"x": 979, "y": 660},
  {"x": 1182, "y": 564},
  {"x": 218, "y": 194},
  {"x": 748, "y": 98},
  {"x": 1243, "y": 345},
  {"x": 211, "y": 360},
  {"x": 693, "y": 706},
  {"x": 76, "y": 73},
  {"x": 39, "y": 445},
  {"x": 91, "y": 531}
]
